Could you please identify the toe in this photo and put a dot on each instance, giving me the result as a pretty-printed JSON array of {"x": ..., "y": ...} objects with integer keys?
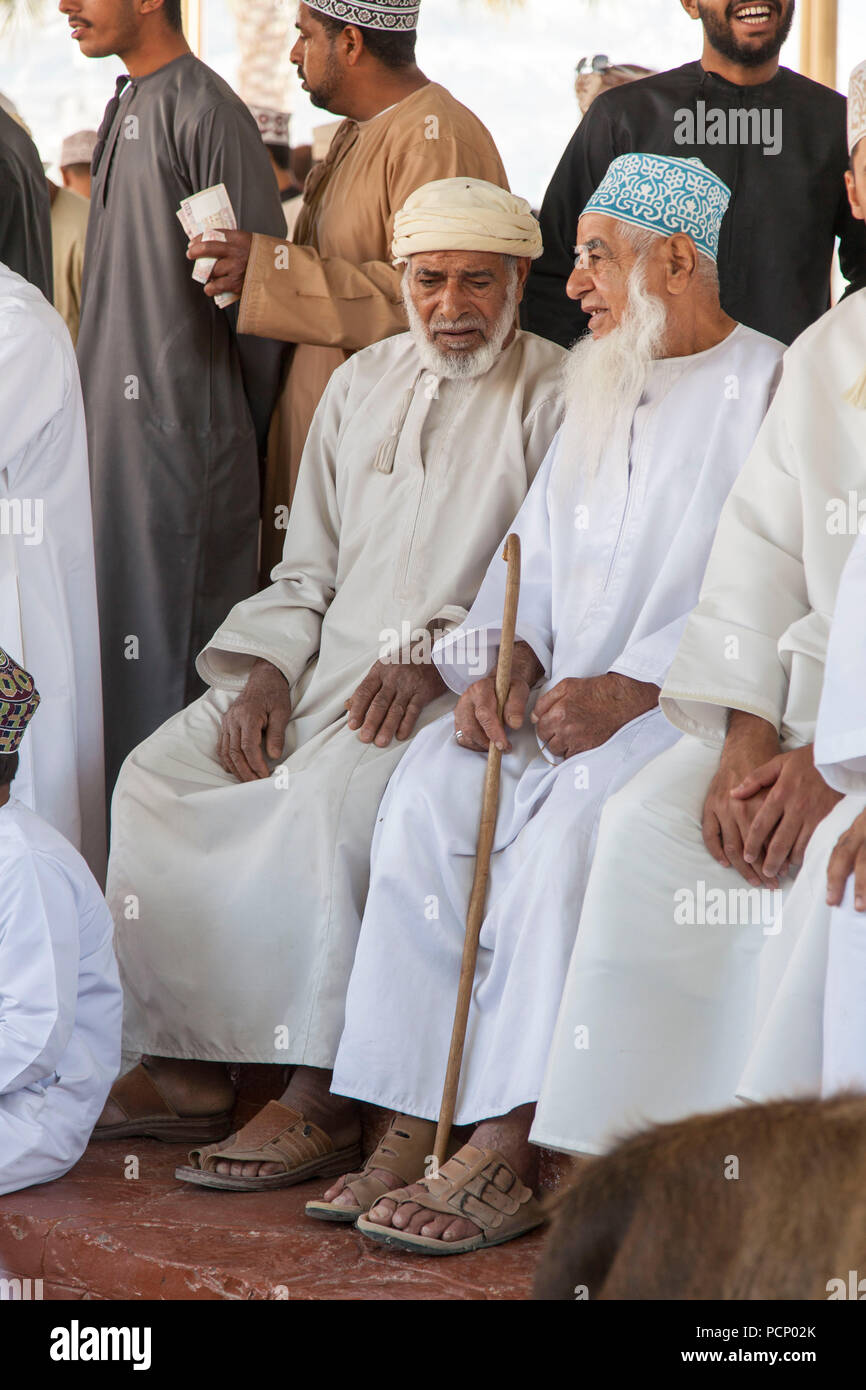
[
  {"x": 460, "y": 1230},
  {"x": 383, "y": 1211},
  {"x": 405, "y": 1215},
  {"x": 335, "y": 1190},
  {"x": 431, "y": 1225}
]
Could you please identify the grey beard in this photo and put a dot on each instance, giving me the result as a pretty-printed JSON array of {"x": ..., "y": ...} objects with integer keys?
[
  {"x": 462, "y": 366},
  {"x": 602, "y": 382}
]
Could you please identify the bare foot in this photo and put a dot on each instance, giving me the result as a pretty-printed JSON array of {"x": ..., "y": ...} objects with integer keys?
[{"x": 309, "y": 1093}]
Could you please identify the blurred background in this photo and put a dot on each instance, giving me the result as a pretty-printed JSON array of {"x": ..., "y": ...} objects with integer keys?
[{"x": 512, "y": 61}]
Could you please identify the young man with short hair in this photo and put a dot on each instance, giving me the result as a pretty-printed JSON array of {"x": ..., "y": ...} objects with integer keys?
[{"x": 178, "y": 403}]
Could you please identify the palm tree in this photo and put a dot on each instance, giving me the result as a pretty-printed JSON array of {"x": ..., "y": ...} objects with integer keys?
[{"x": 17, "y": 13}]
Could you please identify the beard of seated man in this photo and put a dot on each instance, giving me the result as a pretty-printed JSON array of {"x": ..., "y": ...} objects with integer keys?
[
  {"x": 604, "y": 378},
  {"x": 760, "y": 1202}
]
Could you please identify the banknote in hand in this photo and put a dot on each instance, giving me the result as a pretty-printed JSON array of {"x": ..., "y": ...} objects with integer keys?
[{"x": 204, "y": 214}]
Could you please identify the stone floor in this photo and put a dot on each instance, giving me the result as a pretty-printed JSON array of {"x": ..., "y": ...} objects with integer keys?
[
  {"x": 120, "y": 1226},
  {"x": 100, "y": 1234}
]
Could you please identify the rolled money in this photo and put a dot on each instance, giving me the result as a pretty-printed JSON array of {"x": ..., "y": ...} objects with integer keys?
[{"x": 204, "y": 214}]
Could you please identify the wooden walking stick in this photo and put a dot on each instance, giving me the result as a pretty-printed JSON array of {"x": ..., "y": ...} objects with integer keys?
[{"x": 486, "y": 832}]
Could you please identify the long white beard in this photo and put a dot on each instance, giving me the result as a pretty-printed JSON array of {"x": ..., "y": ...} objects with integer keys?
[
  {"x": 462, "y": 366},
  {"x": 603, "y": 381}
]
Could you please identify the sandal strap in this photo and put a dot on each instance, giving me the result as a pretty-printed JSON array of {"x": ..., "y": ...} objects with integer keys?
[
  {"x": 139, "y": 1097},
  {"x": 478, "y": 1184},
  {"x": 276, "y": 1134},
  {"x": 402, "y": 1150}
]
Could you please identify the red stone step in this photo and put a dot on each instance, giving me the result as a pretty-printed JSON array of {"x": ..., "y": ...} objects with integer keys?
[
  {"x": 102, "y": 1233},
  {"x": 99, "y": 1234}
]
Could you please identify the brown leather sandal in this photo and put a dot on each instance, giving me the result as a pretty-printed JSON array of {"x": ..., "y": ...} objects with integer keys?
[
  {"x": 151, "y": 1115},
  {"x": 403, "y": 1150},
  {"x": 276, "y": 1135},
  {"x": 477, "y": 1184}
]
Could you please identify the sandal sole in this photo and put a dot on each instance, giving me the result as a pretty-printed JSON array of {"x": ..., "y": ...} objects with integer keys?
[
  {"x": 332, "y": 1165},
  {"x": 426, "y": 1245},
  {"x": 326, "y": 1211},
  {"x": 183, "y": 1130}
]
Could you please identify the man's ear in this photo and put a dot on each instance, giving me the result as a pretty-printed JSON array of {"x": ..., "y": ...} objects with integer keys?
[
  {"x": 853, "y": 198},
  {"x": 524, "y": 265},
  {"x": 351, "y": 41},
  {"x": 681, "y": 262},
  {"x": 691, "y": 8}
]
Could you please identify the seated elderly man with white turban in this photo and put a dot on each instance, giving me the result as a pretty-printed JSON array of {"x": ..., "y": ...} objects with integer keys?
[
  {"x": 242, "y": 827},
  {"x": 698, "y": 971},
  {"x": 664, "y": 403}
]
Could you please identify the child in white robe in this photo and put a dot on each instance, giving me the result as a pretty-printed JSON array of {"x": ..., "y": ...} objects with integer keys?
[{"x": 60, "y": 996}]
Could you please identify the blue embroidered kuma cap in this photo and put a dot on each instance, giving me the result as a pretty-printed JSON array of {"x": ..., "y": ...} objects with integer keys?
[{"x": 665, "y": 195}]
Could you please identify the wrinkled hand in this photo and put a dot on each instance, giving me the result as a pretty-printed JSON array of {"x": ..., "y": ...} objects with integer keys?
[
  {"x": 259, "y": 716},
  {"x": 849, "y": 857},
  {"x": 579, "y": 714},
  {"x": 390, "y": 698},
  {"x": 727, "y": 820},
  {"x": 476, "y": 717},
  {"x": 227, "y": 276},
  {"x": 797, "y": 800}
]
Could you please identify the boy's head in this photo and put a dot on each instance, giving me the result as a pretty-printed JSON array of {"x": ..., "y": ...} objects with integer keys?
[
  {"x": 18, "y": 701},
  {"x": 855, "y": 178}
]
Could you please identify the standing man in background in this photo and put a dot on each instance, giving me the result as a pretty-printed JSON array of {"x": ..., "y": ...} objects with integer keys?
[
  {"x": 778, "y": 141},
  {"x": 274, "y": 129},
  {"x": 69, "y": 215},
  {"x": 76, "y": 154},
  {"x": 177, "y": 404},
  {"x": 70, "y": 209},
  {"x": 336, "y": 290}
]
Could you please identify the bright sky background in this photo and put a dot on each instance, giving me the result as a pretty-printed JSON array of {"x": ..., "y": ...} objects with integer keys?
[{"x": 515, "y": 70}]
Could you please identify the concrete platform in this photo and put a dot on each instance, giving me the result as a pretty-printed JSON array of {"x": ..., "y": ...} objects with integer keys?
[
  {"x": 100, "y": 1234},
  {"x": 120, "y": 1226}
]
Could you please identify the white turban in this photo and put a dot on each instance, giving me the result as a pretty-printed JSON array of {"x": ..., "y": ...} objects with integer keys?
[
  {"x": 465, "y": 214},
  {"x": 857, "y": 107}
]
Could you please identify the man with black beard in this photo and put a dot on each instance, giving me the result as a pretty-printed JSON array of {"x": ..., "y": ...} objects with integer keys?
[
  {"x": 777, "y": 139},
  {"x": 335, "y": 290}
]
